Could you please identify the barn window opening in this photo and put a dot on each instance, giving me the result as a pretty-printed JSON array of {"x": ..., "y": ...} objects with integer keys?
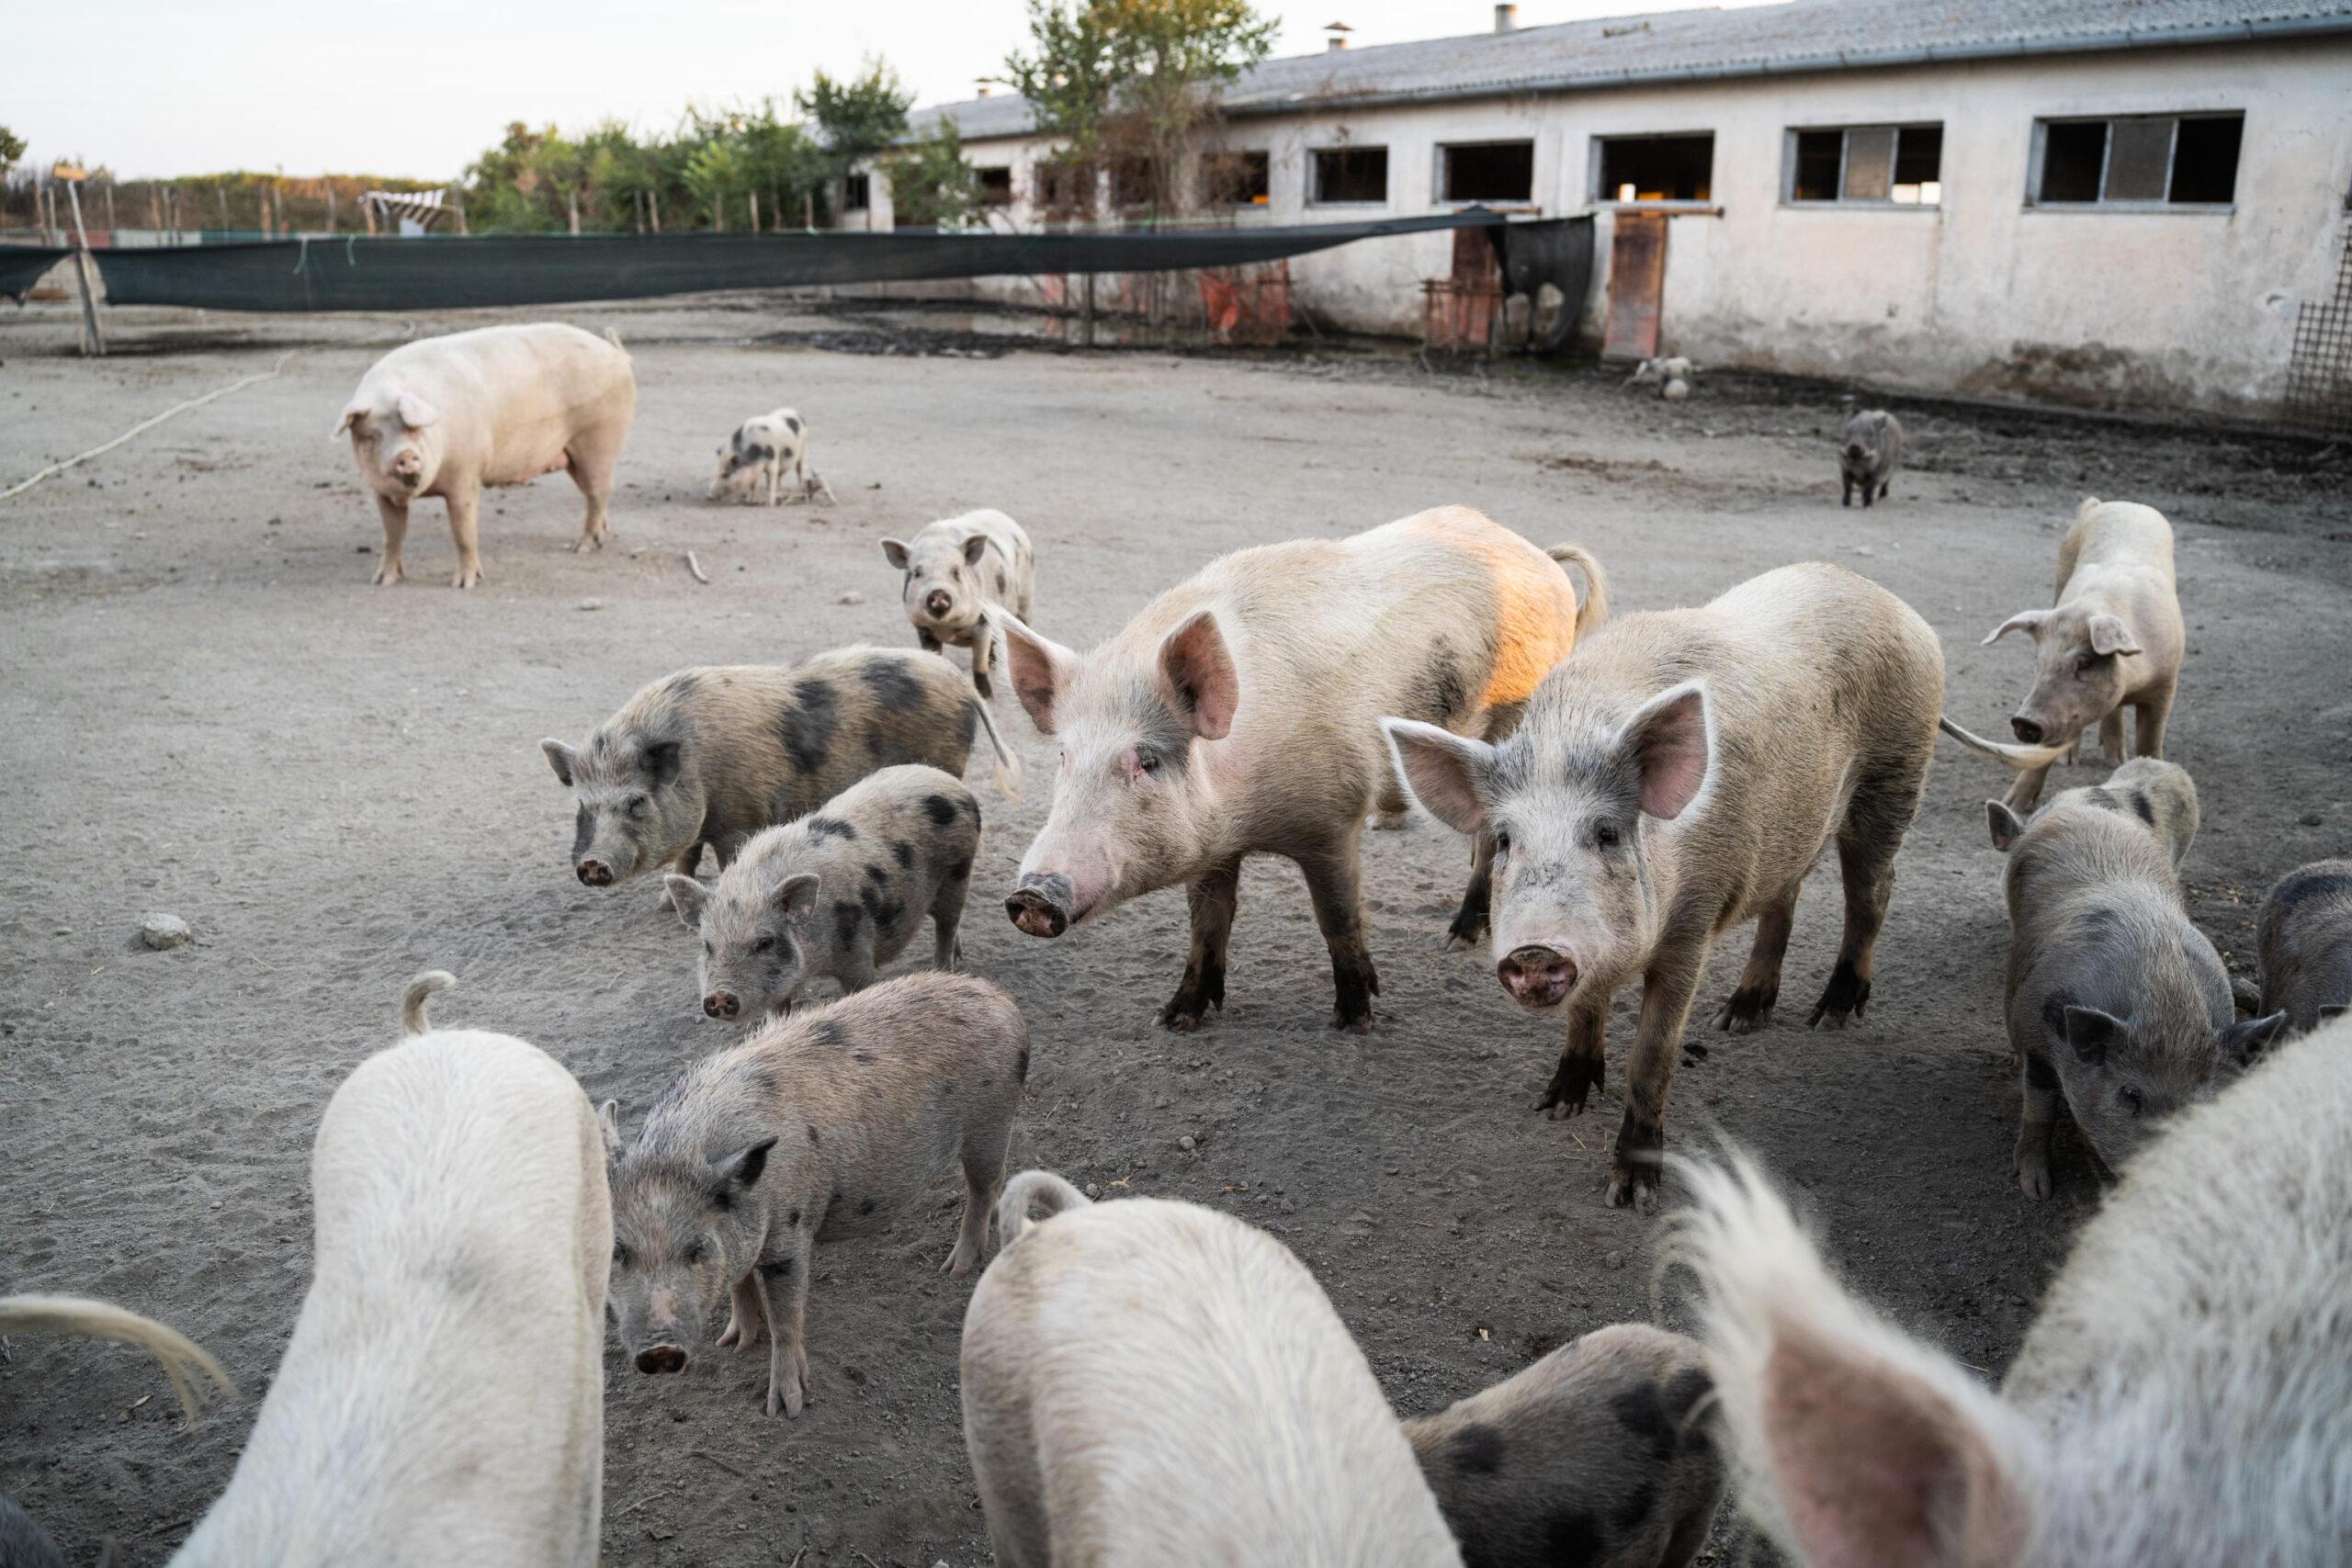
[
  {"x": 1487, "y": 170},
  {"x": 1063, "y": 189},
  {"x": 857, "y": 191},
  {"x": 1132, "y": 183},
  {"x": 1655, "y": 168},
  {"x": 2144, "y": 161},
  {"x": 1349, "y": 175},
  {"x": 1899, "y": 165},
  {"x": 996, "y": 186},
  {"x": 1239, "y": 179}
]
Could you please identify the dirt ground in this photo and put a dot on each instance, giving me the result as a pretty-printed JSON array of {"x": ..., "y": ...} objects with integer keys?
[{"x": 208, "y": 711}]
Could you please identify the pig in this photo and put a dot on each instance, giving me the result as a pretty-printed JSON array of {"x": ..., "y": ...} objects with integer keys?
[
  {"x": 1149, "y": 1382},
  {"x": 1236, "y": 715},
  {"x": 495, "y": 406},
  {"x": 2305, "y": 932},
  {"x": 2183, "y": 1395},
  {"x": 2113, "y": 640},
  {"x": 1597, "y": 1454},
  {"x": 836, "y": 894},
  {"x": 1872, "y": 447},
  {"x": 23, "y": 1543},
  {"x": 955, "y": 571},
  {"x": 762, "y": 451},
  {"x": 713, "y": 754},
  {"x": 442, "y": 1399},
  {"x": 817, "y": 1127},
  {"x": 1663, "y": 373},
  {"x": 1679, "y": 776},
  {"x": 2115, "y": 1000}
]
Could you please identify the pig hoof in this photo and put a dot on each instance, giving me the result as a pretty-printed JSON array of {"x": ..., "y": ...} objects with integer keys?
[
  {"x": 386, "y": 576},
  {"x": 1748, "y": 1010},
  {"x": 1392, "y": 821},
  {"x": 2033, "y": 1179},
  {"x": 1361, "y": 1024},
  {"x": 1572, "y": 1082},
  {"x": 466, "y": 578},
  {"x": 1467, "y": 932},
  {"x": 1635, "y": 1192},
  {"x": 1177, "y": 1022},
  {"x": 1847, "y": 994}
]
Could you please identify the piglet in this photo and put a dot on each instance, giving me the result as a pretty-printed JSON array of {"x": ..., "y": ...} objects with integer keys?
[
  {"x": 1599, "y": 1454},
  {"x": 1867, "y": 455},
  {"x": 819, "y": 1127},
  {"x": 2305, "y": 930},
  {"x": 955, "y": 571},
  {"x": 446, "y": 416},
  {"x": 756, "y": 459},
  {"x": 836, "y": 894},
  {"x": 2117, "y": 1004}
]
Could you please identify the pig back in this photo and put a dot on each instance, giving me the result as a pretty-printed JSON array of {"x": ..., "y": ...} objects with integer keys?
[{"x": 513, "y": 399}]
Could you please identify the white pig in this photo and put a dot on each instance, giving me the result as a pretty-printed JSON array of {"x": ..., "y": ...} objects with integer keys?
[
  {"x": 763, "y": 449},
  {"x": 496, "y": 406},
  {"x": 441, "y": 1400},
  {"x": 954, "y": 570}
]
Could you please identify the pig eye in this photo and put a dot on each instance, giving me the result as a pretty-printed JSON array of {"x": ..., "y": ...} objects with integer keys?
[
  {"x": 1605, "y": 836},
  {"x": 1148, "y": 762},
  {"x": 708, "y": 951},
  {"x": 637, "y": 804},
  {"x": 2131, "y": 1099},
  {"x": 2085, "y": 663},
  {"x": 620, "y": 1254},
  {"x": 696, "y": 1252},
  {"x": 1502, "y": 843},
  {"x": 764, "y": 944}
]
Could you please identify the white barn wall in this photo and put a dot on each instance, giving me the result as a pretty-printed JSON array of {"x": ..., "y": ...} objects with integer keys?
[{"x": 1982, "y": 293}]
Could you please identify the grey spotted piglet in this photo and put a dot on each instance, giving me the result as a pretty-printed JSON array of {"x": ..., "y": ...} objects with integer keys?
[
  {"x": 1867, "y": 455},
  {"x": 756, "y": 459},
  {"x": 955, "y": 570},
  {"x": 2305, "y": 930},
  {"x": 822, "y": 1126},
  {"x": 712, "y": 755},
  {"x": 836, "y": 894},
  {"x": 1597, "y": 1454}
]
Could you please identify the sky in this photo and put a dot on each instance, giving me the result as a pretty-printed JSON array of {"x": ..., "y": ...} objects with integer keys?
[{"x": 419, "y": 87}]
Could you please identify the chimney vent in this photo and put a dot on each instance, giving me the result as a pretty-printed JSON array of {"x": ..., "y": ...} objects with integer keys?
[
  {"x": 1506, "y": 18},
  {"x": 1339, "y": 31}
]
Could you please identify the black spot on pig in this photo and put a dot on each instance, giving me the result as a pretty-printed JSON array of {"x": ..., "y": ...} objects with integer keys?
[
  {"x": 999, "y": 585},
  {"x": 878, "y": 875},
  {"x": 866, "y": 1207},
  {"x": 863, "y": 1058},
  {"x": 1020, "y": 1066},
  {"x": 821, "y": 827},
  {"x": 793, "y": 1218},
  {"x": 961, "y": 869},
  {"x": 971, "y": 805},
  {"x": 884, "y": 916},
  {"x": 682, "y": 686},
  {"x": 793, "y": 421},
  {"x": 968, "y": 724},
  {"x": 893, "y": 683},
  {"x": 1441, "y": 692},
  {"x": 904, "y": 853},
  {"x": 2040, "y": 1073},
  {"x": 808, "y": 724},
  {"x": 1644, "y": 1416},
  {"x": 1479, "y": 1449},
  {"x": 845, "y": 918},
  {"x": 776, "y": 1269},
  {"x": 2140, "y": 804},
  {"x": 1636, "y": 1508},
  {"x": 1682, "y": 1393},
  {"x": 2300, "y": 888},
  {"x": 827, "y": 1032},
  {"x": 583, "y": 831},
  {"x": 1573, "y": 1536},
  {"x": 814, "y": 1140},
  {"x": 939, "y": 809}
]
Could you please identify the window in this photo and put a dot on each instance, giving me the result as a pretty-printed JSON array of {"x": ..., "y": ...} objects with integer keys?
[
  {"x": 1349, "y": 174},
  {"x": 996, "y": 186},
  {"x": 1864, "y": 165},
  {"x": 1487, "y": 171},
  {"x": 1064, "y": 189},
  {"x": 1654, "y": 168},
  {"x": 1236, "y": 179},
  {"x": 1131, "y": 183},
  {"x": 857, "y": 191},
  {"x": 2145, "y": 161}
]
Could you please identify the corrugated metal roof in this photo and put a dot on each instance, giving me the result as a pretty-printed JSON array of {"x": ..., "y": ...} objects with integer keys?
[{"x": 1797, "y": 34}]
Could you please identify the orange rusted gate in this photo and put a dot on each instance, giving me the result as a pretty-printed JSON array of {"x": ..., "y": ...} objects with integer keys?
[{"x": 1636, "y": 286}]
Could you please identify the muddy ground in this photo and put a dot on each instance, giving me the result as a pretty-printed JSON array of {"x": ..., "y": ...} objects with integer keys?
[{"x": 208, "y": 711}]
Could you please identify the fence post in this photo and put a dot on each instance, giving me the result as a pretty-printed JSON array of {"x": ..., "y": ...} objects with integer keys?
[{"x": 83, "y": 273}]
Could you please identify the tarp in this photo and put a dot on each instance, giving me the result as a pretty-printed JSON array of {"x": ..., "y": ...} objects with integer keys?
[
  {"x": 448, "y": 271},
  {"x": 21, "y": 266}
]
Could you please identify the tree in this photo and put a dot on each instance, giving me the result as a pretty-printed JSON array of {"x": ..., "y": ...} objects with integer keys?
[
  {"x": 12, "y": 147},
  {"x": 931, "y": 182},
  {"x": 1135, "y": 83},
  {"x": 856, "y": 118}
]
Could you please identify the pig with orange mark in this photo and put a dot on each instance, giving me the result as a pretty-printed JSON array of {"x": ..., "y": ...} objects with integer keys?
[{"x": 1239, "y": 713}]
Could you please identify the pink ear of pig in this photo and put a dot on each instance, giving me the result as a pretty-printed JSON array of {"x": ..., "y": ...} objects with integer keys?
[
  {"x": 416, "y": 413},
  {"x": 353, "y": 412}
]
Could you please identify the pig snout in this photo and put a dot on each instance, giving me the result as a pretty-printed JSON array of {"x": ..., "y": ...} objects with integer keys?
[
  {"x": 721, "y": 1004},
  {"x": 2027, "y": 730},
  {"x": 1040, "y": 905},
  {"x": 936, "y": 603},
  {"x": 662, "y": 1359},
  {"x": 1539, "y": 974},
  {"x": 595, "y": 873}
]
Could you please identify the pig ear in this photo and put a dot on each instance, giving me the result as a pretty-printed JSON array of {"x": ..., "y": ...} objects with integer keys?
[
  {"x": 2093, "y": 1033},
  {"x": 1041, "y": 670},
  {"x": 608, "y": 1123},
  {"x": 1859, "y": 1444},
  {"x": 739, "y": 1172},
  {"x": 416, "y": 413},
  {"x": 353, "y": 413},
  {"x": 2027, "y": 621},
  {"x": 2109, "y": 635},
  {"x": 559, "y": 758},
  {"x": 2244, "y": 1044},
  {"x": 2006, "y": 825},
  {"x": 2333, "y": 1011},
  {"x": 795, "y": 894},
  {"x": 687, "y": 897},
  {"x": 1199, "y": 668},
  {"x": 1445, "y": 771},
  {"x": 895, "y": 552},
  {"x": 974, "y": 548},
  {"x": 661, "y": 761},
  {"x": 1667, "y": 742}
]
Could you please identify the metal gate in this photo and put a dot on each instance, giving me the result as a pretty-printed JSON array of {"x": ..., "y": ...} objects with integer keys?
[{"x": 2319, "y": 371}]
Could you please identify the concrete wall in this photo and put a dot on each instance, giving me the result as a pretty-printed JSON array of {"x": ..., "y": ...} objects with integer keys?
[{"x": 1983, "y": 293}]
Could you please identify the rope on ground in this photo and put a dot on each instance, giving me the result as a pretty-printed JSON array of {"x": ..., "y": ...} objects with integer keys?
[{"x": 54, "y": 469}]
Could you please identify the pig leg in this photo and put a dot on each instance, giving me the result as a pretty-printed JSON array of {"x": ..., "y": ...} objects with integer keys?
[
  {"x": 2149, "y": 714},
  {"x": 1469, "y": 926},
  {"x": 394, "y": 516},
  {"x": 1750, "y": 1003},
  {"x": 465, "y": 525},
  {"x": 2110, "y": 738},
  {"x": 744, "y": 1315},
  {"x": 1582, "y": 1065},
  {"x": 1844, "y": 489},
  {"x": 854, "y": 968},
  {"x": 2025, "y": 791},
  {"x": 1876, "y": 820},
  {"x": 1867, "y": 494},
  {"x": 983, "y": 1180},
  {"x": 927, "y": 642},
  {"x": 1211, "y": 899},
  {"x": 592, "y": 455},
  {"x": 2031, "y": 1166},
  {"x": 946, "y": 915},
  {"x": 1668, "y": 991},
  {"x": 783, "y": 1292},
  {"x": 1335, "y": 885}
]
